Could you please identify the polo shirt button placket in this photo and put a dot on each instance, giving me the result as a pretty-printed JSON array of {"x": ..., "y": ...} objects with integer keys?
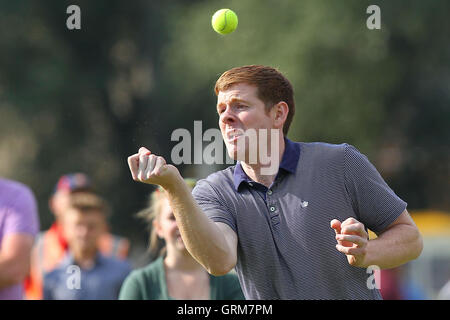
[
  {"x": 269, "y": 192},
  {"x": 274, "y": 216}
]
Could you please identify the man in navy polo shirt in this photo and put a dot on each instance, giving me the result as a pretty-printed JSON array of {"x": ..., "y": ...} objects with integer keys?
[{"x": 274, "y": 226}]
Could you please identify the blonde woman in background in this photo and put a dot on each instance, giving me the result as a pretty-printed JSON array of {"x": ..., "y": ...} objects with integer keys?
[{"x": 175, "y": 274}]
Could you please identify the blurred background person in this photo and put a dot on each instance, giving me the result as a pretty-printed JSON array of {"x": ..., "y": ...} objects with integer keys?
[
  {"x": 19, "y": 224},
  {"x": 95, "y": 276},
  {"x": 51, "y": 245},
  {"x": 395, "y": 284},
  {"x": 175, "y": 274}
]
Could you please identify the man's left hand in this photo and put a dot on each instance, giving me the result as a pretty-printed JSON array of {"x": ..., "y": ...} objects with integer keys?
[{"x": 352, "y": 240}]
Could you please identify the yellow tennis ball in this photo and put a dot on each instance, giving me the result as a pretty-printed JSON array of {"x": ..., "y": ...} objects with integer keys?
[{"x": 224, "y": 21}]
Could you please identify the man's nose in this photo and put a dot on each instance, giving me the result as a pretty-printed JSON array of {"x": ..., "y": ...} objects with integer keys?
[
  {"x": 227, "y": 116},
  {"x": 83, "y": 231}
]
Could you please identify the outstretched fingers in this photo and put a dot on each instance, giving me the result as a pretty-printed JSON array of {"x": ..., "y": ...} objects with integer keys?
[
  {"x": 351, "y": 251},
  {"x": 354, "y": 239},
  {"x": 355, "y": 228},
  {"x": 336, "y": 225}
]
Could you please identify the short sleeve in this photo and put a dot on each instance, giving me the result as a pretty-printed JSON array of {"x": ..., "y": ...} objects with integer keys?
[
  {"x": 213, "y": 204},
  {"x": 375, "y": 203},
  {"x": 22, "y": 213},
  {"x": 130, "y": 289}
]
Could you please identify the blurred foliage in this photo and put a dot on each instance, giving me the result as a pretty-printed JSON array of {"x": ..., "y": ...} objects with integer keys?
[{"x": 85, "y": 100}]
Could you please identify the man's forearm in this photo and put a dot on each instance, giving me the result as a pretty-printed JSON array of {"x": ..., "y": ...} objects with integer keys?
[
  {"x": 202, "y": 237},
  {"x": 394, "y": 247},
  {"x": 8, "y": 273}
]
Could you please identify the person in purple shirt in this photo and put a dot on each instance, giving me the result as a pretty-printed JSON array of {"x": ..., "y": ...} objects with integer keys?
[{"x": 19, "y": 224}]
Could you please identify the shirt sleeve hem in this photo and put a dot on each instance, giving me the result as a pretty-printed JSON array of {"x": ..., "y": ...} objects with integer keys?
[
  {"x": 224, "y": 220},
  {"x": 391, "y": 218}
]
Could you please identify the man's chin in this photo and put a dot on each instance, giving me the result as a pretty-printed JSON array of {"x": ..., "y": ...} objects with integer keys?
[{"x": 232, "y": 152}]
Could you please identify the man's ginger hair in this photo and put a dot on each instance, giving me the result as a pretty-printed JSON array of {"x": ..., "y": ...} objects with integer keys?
[{"x": 272, "y": 86}]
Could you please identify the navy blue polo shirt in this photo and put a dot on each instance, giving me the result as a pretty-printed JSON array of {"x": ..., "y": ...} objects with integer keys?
[
  {"x": 288, "y": 165},
  {"x": 286, "y": 248}
]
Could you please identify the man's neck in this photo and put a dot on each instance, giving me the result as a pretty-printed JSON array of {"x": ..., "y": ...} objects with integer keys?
[
  {"x": 85, "y": 258},
  {"x": 256, "y": 171}
]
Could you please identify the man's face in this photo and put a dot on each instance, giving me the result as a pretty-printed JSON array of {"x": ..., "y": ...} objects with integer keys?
[
  {"x": 240, "y": 109},
  {"x": 83, "y": 229},
  {"x": 59, "y": 203}
]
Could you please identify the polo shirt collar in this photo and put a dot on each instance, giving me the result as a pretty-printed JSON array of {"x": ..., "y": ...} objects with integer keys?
[
  {"x": 288, "y": 163},
  {"x": 70, "y": 260}
]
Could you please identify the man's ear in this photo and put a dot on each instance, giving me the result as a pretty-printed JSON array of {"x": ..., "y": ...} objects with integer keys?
[{"x": 281, "y": 110}]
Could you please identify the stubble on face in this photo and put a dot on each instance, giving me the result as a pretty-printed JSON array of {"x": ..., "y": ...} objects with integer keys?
[{"x": 242, "y": 116}]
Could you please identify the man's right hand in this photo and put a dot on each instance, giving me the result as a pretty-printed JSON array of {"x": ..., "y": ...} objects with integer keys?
[
  {"x": 212, "y": 244},
  {"x": 148, "y": 168}
]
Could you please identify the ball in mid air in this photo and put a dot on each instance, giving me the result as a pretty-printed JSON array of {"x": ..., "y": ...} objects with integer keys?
[{"x": 224, "y": 21}]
